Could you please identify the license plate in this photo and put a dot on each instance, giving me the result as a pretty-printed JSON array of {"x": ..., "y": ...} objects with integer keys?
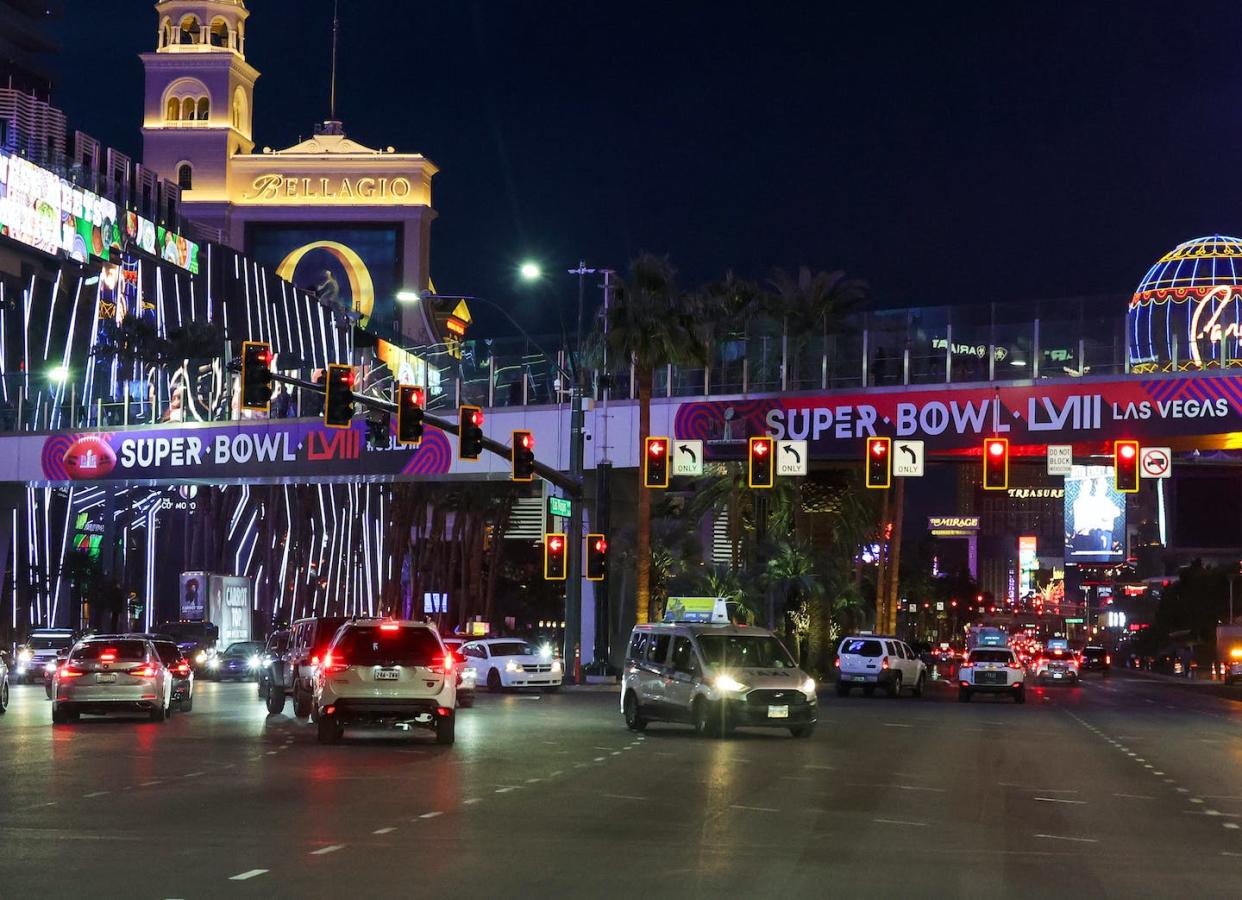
[
  {"x": 386, "y": 675},
  {"x": 778, "y": 712},
  {"x": 858, "y": 678},
  {"x": 1056, "y": 674},
  {"x": 105, "y": 679}
]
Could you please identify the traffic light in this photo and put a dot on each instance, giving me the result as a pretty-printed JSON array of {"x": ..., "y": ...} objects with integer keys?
[
  {"x": 655, "y": 462},
  {"x": 338, "y": 400},
  {"x": 996, "y": 464},
  {"x": 523, "y": 456},
  {"x": 879, "y": 462},
  {"x": 596, "y": 557},
  {"x": 760, "y": 472},
  {"x": 410, "y": 400},
  {"x": 554, "y": 556},
  {"x": 469, "y": 432},
  {"x": 256, "y": 375},
  {"x": 1125, "y": 466}
]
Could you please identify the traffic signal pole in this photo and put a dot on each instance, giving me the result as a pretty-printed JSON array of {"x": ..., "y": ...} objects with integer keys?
[{"x": 573, "y": 557}]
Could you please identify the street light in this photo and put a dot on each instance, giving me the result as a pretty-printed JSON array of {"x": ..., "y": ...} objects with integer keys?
[
  {"x": 530, "y": 271},
  {"x": 408, "y": 296},
  {"x": 58, "y": 375}
]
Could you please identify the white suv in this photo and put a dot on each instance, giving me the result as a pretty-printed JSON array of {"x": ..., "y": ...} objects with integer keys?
[
  {"x": 867, "y": 660},
  {"x": 994, "y": 670},
  {"x": 385, "y": 673}
]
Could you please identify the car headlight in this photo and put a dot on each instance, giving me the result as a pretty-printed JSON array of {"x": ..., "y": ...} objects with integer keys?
[
  {"x": 25, "y": 655},
  {"x": 808, "y": 686},
  {"x": 556, "y": 665},
  {"x": 200, "y": 657},
  {"x": 213, "y": 663},
  {"x": 546, "y": 651},
  {"x": 513, "y": 666},
  {"x": 49, "y": 666},
  {"x": 729, "y": 684},
  {"x": 256, "y": 661}
]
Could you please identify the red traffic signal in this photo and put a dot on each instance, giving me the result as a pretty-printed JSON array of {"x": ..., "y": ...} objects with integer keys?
[
  {"x": 338, "y": 401},
  {"x": 410, "y": 402},
  {"x": 554, "y": 568},
  {"x": 1126, "y": 466},
  {"x": 879, "y": 462},
  {"x": 596, "y": 557},
  {"x": 256, "y": 375},
  {"x": 655, "y": 462},
  {"x": 469, "y": 432},
  {"x": 761, "y": 470},
  {"x": 523, "y": 456},
  {"x": 996, "y": 464}
]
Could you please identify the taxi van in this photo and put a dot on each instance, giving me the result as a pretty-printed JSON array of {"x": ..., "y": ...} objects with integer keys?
[{"x": 698, "y": 669}]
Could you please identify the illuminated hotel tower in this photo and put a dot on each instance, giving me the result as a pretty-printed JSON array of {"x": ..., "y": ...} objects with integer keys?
[{"x": 199, "y": 100}]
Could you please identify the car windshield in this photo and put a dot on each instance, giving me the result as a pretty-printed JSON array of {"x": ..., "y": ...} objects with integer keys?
[
  {"x": 751, "y": 651},
  {"x": 513, "y": 648},
  {"x": 110, "y": 651},
  {"x": 50, "y": 642},
  {"x": 168, "y": 651},
  {"x": 244, "y": 648},
  {"x": 369, "y": 645},
  {"x": 1093, "y": 651},
  {"x": 861, "y": 647},
  {"x": 991, "y": 656}
]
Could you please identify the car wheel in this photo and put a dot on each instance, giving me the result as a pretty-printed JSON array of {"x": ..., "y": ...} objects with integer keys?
[
  {"x": 444, "y": 729},
  {"x": 894, "y": 689},
  {"x": 187, "y": 703},
  {"x": 963, "y": 695},
  {"x": 264, "y": 689},
  {"x": 868, "y": 690},
  {"x": 634, "y": 720},
  {"x": 301, "y": 704},
  {"x": 1020, "y": 695},
  {"x": 4, "y": 696},
  {"x": 60, "y": 715},
  {"x": 706, "y": 723},
  {"x": 329, "y": 732},
  {"x": 493, "y": 681},
  {"x": 275, "y": 701},
  {"x": 158, "y": 714},
  {"x": 803, "y": 731},
  {"x": 920, "y": 685},
  {"x": 843, "y": 689}
]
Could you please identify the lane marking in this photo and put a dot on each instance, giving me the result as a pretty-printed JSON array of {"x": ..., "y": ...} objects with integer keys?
[
  {"x": 1134, "y": 796},
  {"x": 193, "y": 774},
  {"x": 1156, "y": 772},
  {"x": 1195, "y": 800},
  {"x": 600, "y": 758},
  {"x": 533, "y": 780},
  {"x": 246, "y": 876},
  {"x": 505, "y": 790},
  {"x": 1056, "y": 800},
  {"x": 1232, "y": 826},
  {"x": 331, "y": 848},
  {"x": 754, "y": 808},
  {"x": 1061, "y": 837},
  {"x": 148, "y": 784},
  {"x": 897, "y": 725},
  {"x": 97, "y": 793},
  {"x": 384, "y": 831},
  {"x": 472, "y": 801},
  {"x": 557, "y": 772},
  {"x": 900, "y": 822},
  {"x": 622, "y": 797},
  {"x": 431, "y": 815}
]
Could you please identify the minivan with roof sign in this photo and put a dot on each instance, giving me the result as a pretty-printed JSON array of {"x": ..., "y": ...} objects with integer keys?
[{"x": 716, "y": 677}]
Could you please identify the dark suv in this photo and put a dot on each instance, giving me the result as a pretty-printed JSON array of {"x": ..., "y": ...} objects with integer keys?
[
  {"x": 1095, "y": 659},
  {"x": 293, "y": 672}
]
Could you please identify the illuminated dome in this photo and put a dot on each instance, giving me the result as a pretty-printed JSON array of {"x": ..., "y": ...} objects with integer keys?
[
  {"x": 1185, "y": 312},
  {"x": 1202, "y": 263}
]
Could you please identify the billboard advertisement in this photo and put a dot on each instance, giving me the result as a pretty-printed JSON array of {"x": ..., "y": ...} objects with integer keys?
[
  {"x": 355, "y": 267},
  {"x": 1095, "y": 516}
]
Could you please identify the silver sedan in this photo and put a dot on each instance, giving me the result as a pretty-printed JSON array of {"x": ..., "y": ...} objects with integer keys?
[{"x": 109, "y": 674}]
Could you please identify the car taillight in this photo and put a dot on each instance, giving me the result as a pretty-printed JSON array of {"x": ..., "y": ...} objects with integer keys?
[
  {"x": 884, "y": 663},
  {"x": 314, "y": 660},
  {"x": 446, "y": 665},
  {"x": 146, "y": 671},
  {"x": 837, "y": 662},
  {"x": 390, "y": 626},
  {"x": 68, "y": 672},
  {"x": 183, "y": 668},
  {"x": 333, "y": 664}
]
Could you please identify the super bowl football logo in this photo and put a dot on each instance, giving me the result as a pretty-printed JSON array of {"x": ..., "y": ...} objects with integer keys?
[{"x": 88, "y": 458}]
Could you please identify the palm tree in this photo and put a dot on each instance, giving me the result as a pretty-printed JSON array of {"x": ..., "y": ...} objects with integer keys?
[
  {"x": 650, "y": 324},
  {"x": 815, "y": 302},
  {"x": 791, "y": 574}
]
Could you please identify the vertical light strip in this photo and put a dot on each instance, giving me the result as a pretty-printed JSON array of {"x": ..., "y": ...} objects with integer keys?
[
  {"x": 64, "y": 546},
  {"x": 13, "y": 557},
  {"x": 149, "y": 604},
  {"x": 51, "y": 314},
  {"x": 4, "y": 378}
]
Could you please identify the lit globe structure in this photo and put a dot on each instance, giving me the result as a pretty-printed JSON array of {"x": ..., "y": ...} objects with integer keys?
[{"x": 1186, "y": 313}]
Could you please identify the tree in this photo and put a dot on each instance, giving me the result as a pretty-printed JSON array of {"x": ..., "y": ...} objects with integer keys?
[
  {"x": 791, "y": 575},
  {"x": 650, "y": 324},
  {"x": 814, "y": 303}
]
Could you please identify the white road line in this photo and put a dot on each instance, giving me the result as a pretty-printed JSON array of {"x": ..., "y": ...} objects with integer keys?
[
  {"x": 1134, "y": 796},
  {"x": 472, "y": 801},
  {"x": 600, "y": 758},
  {"x": 1195, "y": 800},
  {"x": 533, "y": 780},
  {"x": 246, "y": 876},
  {"x": 616, "y": 753},
  {"x": 96, "y": 793},
  {"x": 431, "y": 815},
  {"x": 1183, "y": 790},
  {"x": 753, "y": 808},
  {"x": 384, "y": 830},
  {"x": 1055, "y": 800},
  {"x": 505, "y": 790},
  {"x": 148, "y": 784},
  {"x": 900, "y": 822},
  {"x": 1061, "y": 837},
  {"x": 557, "y": 772},
  {"x": 897, "y": 725},
  {"x": 331, "y": 848},
  {"x": 1232, "y": 826},
  {"x": 601, "y": 748},
  {"x": 1229, "y": 853},
  {"x": 1156, "y": 772},
  {"x": 622, "y": 797},
  {"x": 193, "y": 774},
  {"x": 1220, "y": 797}
]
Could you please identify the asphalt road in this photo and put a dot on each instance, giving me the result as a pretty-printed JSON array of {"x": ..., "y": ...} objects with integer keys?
[{"x": 1123, "y": 788}]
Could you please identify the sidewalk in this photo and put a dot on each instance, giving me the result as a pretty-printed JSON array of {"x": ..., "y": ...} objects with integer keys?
[{"x": 1217, "y": 688}]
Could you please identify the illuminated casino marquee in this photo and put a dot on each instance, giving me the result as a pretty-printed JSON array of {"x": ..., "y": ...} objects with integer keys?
[{"x": 1186, "y": 313}]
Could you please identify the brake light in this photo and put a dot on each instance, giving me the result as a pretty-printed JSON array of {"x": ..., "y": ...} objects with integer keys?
[
  {"x": 146, "y": 671},
  {"x": 965, "y": 659},
  {"x": 884, "y": 663},
  {"x": 334, "y": 663},
  {"x": 67, "y": 672},
  {"x": 182, "y": 668},
  {"x": 1108, "y": 660},
  {"x": 837, "y": 662},
  {"x": 314, "y": 660},
  {"x": 390, "y": 626},
  {"x": 446, "y": 665},
  {"x": 108, "y": 656}
]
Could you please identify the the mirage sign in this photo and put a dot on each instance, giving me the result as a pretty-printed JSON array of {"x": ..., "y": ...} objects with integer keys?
[
  {"x": 261, "y": 450},
  {"x": 955, "y": 418}
]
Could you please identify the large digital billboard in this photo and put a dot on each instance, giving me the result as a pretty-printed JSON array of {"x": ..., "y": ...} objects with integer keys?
[
  {"x": 356, "y": 267},
  {"x": 1095, "y": 516}
]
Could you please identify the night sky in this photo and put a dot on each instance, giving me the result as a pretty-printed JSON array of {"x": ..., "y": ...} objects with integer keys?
[{"x": 947, "y": 152}]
